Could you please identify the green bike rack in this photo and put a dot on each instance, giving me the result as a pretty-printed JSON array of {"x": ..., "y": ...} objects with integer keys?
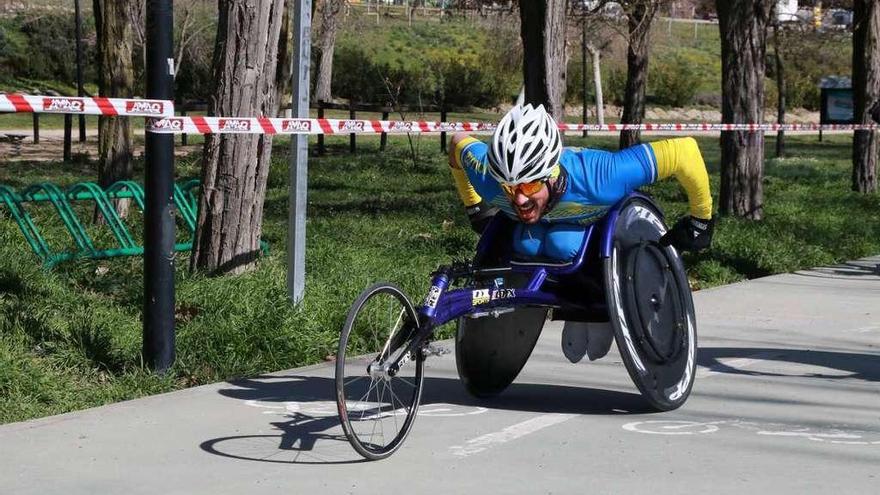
[{"x": 185, "y": 200}]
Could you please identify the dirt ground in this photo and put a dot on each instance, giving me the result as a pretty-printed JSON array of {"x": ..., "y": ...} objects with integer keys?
[{"x": 51, "y": 145}]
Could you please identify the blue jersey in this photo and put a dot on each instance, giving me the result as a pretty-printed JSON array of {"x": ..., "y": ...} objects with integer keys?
[{"x": 595, "y": 180}]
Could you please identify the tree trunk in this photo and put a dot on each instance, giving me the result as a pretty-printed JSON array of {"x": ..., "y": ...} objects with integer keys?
[
  {"x": 597, "y": 82},
  {"x": 780, "y": 89},
  {"x": 283, "y": 74},
  {"x": 236, "y": 166},
  {"x": 115, "y": 80},
  {"x": 743, "y": 26},
  {"x": 542, "y": 29},
  {"x": 639, "y": 21},
  {"x": 866, "y": 91},
  {"x": 330, "y": 10}
]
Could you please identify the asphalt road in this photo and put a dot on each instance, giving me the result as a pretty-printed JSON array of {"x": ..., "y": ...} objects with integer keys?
[{"x": 786, "y": 401}]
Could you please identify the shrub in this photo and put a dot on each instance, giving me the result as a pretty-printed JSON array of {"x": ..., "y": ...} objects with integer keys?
[
  {"x": 614, "y": 84},
  {"x": 49, "y": 52},
  {"x": 465, "y": 80},
  {"x": 673, "y": 80}
]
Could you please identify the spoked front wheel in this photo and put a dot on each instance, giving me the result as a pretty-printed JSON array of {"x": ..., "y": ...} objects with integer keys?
[{"x": 377, "y": 402}]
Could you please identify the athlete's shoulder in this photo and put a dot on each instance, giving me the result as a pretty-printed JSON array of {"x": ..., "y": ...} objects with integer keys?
[{"x": 471, "y": 153}]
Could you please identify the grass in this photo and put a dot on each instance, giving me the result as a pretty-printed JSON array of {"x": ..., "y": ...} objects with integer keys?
[{"x": 71, "y": 338}]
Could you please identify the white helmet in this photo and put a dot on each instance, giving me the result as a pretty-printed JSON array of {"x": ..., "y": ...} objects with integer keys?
[{"x": 526, "y": 145}]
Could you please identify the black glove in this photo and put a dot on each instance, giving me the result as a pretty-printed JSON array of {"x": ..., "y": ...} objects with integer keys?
[
  {"x": 690, "y": 234},
  {"x": 480, "y": 215}
]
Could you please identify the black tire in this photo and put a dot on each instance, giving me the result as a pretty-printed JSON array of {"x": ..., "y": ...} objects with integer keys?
[
  {"x": 651, "y": 308},
  {"x": 380, "y": 324},
  {"x": 490, "y": 352}
]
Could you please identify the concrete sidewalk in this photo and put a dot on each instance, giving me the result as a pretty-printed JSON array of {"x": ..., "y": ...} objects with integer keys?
[{"x": 786, "y": 401}]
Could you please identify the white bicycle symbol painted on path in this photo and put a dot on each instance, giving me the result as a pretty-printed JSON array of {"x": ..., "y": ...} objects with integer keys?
[
  {"x": 324, "y": 408},
  {"x": 827, "y": 435}
]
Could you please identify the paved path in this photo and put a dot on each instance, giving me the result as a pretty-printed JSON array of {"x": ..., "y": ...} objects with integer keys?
[{"x": 786, "y": 401}]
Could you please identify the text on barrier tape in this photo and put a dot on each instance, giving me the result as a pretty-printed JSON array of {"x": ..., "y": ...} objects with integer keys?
[
  {"x": 263, "y": 125},
  {"x": 86, "y": 105}
]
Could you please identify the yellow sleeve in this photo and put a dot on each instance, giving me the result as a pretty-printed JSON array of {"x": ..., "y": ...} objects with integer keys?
[
  {"x": 682, "y": 158},
  {"x": 464, "y": 187}
]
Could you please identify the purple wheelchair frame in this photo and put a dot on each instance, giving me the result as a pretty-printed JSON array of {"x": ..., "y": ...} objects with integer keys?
[{"x": 442, "y": 306}]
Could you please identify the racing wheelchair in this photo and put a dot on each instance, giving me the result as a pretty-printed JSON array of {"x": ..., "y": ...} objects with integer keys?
[{"x": 621, "y": 274}]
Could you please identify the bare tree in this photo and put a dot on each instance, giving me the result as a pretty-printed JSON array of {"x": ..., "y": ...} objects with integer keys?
[
  {"x": 640, "y": 16},
  {"x": 283, "y": 72},
  {"x": 743, "y": 26},
  {"x": 779, "y": 69},
  {"x": 330, "y": 10},
  {"x": 596, "y": 32},
  {"x": 115, "y": 79},
  {"x": 236, "y": 166},
  {"x": 542, "y": 28},
  {"x": 866, "y": 92}
]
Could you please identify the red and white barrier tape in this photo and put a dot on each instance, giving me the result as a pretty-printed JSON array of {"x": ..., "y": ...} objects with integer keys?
[
  {"x": 86, "y": 106},
  {"x": 229, "y": 125},
  {"x": 718, "y": 127},
  {"x": 162, "y": 120},
  {"x": 263, "y": 125}
]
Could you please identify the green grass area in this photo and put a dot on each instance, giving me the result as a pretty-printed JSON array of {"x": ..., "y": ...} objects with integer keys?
[{"x": 71, "y": 338}]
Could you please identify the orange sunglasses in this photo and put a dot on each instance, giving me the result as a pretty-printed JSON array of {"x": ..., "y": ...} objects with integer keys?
[{"x": 526, "y": 188}]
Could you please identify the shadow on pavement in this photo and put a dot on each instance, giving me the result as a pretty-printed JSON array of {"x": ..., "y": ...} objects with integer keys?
[
  {"x": 859, "y": 366},
  {"x": 306, "y": 426},
  {"x": 844, "y": 270}
]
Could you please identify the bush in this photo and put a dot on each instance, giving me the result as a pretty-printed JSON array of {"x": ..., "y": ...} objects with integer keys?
[
  {"x": 808, "y": 57},
  {"x": 673, "y": 79},
  {"x": 50, "y": 47},
  {"x": 465, "y": 81},
  {"x": 353, "y": 73},
  {"x": 614, "y": 82}
]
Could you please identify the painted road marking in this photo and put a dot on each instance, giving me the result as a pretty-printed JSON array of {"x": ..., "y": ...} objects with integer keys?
[
  {"x": 481, "y": 443},
  {"x": 670, "y": 427},
  {"x": 827, "y": 435},
  {"x": 870, "y": 328},
  {"x": 324, "y": 408}
]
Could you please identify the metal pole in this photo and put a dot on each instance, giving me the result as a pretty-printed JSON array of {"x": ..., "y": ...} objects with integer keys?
[
  {"x": 352, "y": 140},
  {"x": 584, "y": 71},
  {"x": 79, "y": 72},
  {"x": 158, "y": 345},
  {"x": 299, "y": 151},
  {"x": 68, "y": 123},
  {"x": 321, "y": 136},
  {"x": 443, "y": 134}
]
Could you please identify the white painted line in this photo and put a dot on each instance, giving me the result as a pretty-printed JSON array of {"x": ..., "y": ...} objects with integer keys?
[
  {"x": 870, "y": 328},
  {"x": 481, "y": 443},
  {"x": 718, "y": 369}
]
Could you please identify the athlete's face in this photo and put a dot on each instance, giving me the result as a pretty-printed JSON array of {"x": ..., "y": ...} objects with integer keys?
[{"x": 528, "y": 202}]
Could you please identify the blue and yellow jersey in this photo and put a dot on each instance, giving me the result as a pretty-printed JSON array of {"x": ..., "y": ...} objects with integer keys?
[{"x": 595, "y": 179}]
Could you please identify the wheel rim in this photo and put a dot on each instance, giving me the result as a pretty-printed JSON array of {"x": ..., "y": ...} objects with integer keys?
[
  {"x": 376, "y": 406},
  {"x": 654, "y": 295},
  {"x": 661, "y": 360}
]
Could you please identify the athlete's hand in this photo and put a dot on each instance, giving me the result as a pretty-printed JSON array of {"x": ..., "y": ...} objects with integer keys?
[
  {"x": 480, "y": 215},
  {"x": 690, "y": 234}
]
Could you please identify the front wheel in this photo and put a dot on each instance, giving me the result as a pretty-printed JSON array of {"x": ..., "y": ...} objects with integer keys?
[{"x": 378, "y": 404}]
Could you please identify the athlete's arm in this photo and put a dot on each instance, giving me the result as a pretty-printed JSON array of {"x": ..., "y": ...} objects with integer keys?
[
  {"x": 479, "y": 213},
  {"x": 681, "y": 158}
]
